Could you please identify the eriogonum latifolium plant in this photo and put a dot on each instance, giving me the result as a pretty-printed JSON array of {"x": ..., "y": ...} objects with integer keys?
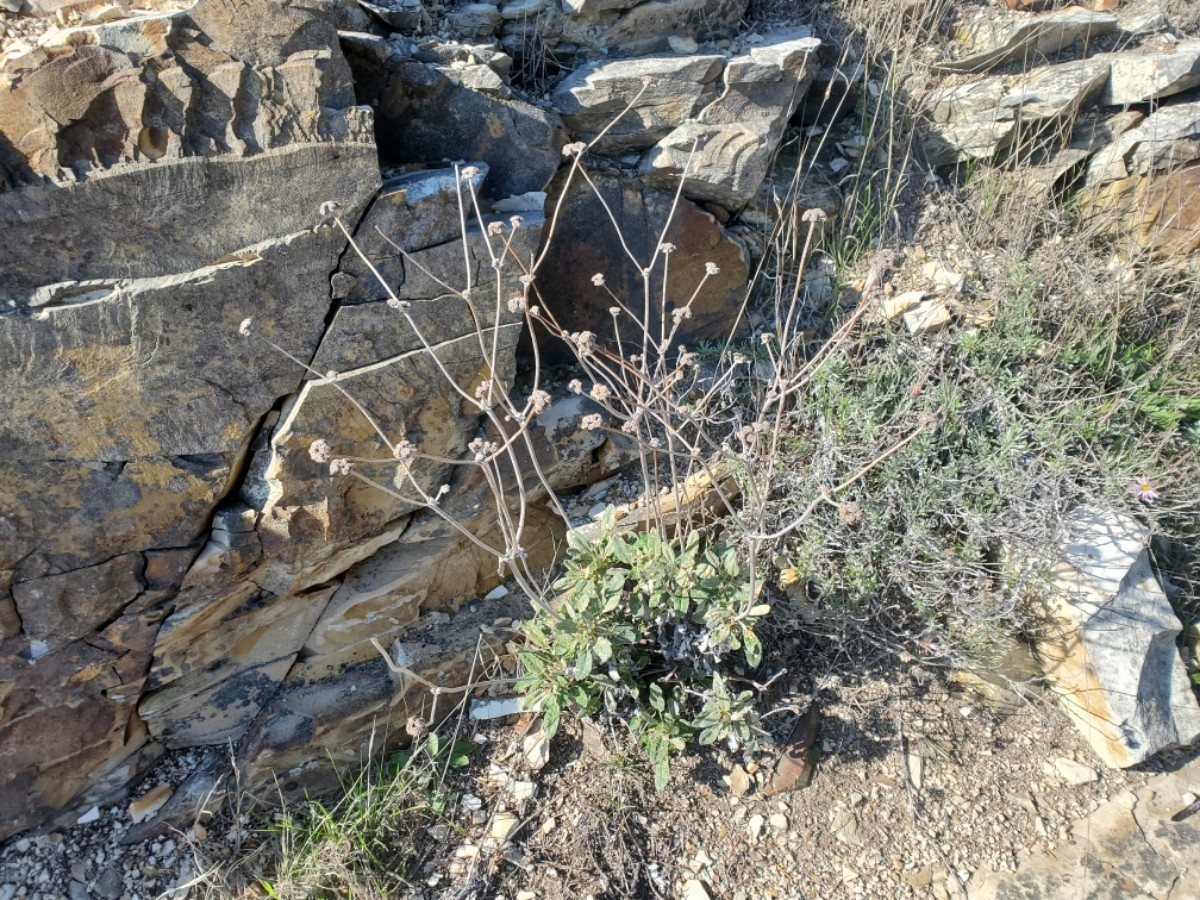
[{"x": 647, "y": 625}]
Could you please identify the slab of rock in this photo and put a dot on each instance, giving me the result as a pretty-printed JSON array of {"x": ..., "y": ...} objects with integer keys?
[
  {"x": 69, "y": 727},
  {"x": 985, "y": 118},
  {"x": 1111, "y": 656},
  {"x": 151, "y": 199},
  {"x": 1168, "y": 137},
  {"x": 591, "y": 98},
  {"x": 586, "y": 244},
  {"x": 343, "y": 716},
  {"x": 422, "y": 115},
  {"x": 736, "y": 134},
  {"x": 991, "y": 42},
  {"x": 1140, "y": 843},
  {"x": 474, "y": 20},
  {"x": 1142, "y": 187},
  {"x": 1140, "y": 77}
]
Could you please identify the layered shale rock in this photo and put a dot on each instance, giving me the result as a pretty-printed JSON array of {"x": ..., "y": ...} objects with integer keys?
[{"x": 140, "y": 161}]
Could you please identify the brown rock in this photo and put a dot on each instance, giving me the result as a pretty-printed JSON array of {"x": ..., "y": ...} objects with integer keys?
[
  {"x": 586, "y": 244},
  {"x": 68, "y": 719}
]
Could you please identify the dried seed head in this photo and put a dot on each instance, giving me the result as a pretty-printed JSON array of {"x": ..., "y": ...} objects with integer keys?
[
  {"x": 598, "y": 279},
  {"x": 319, "y": 451},
  {"x": 398, "y": 304},
  {"x": 516, "y": 222},
  {"x": 575, "y": 386},
  {"x": 539, "y": 402},
  {"x": 339, "y": 467},
  {"x": 469, "y": 173},
  {"x": 592, "y": 422},
  {"x": 667, "y": 247},
  {"x": 244, "y": 328},
  {"x": 495, "y": 228},
  {"x": 600, "y": 393},
  {"x": 575, "y": 149},
  {"x": 404, "y": 450},
  {"x": 814, "y": 215},
  {"x": 516, "y": 304},
  {"x": 329, "y": 207},
  {"x": 711, "y": 268},
  {"x": 684, "y": 312}
]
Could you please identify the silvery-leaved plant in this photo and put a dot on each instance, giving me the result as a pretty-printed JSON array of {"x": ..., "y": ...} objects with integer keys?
[{"x": 647, "y": 630}]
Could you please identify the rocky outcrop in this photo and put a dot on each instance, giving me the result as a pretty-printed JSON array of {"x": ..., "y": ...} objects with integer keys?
[
  {"x": 990, "y": 42},
  {"x": 1080, "y": 124},
  {"x": 1143, "y": 185},
  {"x": 1111, "y": 657},
  {"x": 133, "y": 413}
]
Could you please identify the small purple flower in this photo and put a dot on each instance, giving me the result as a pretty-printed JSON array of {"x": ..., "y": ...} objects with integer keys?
[{"x": 1144, "y": 490}]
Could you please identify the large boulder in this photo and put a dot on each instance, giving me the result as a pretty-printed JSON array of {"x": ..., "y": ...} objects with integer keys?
[{"x": 633, "y": 27}]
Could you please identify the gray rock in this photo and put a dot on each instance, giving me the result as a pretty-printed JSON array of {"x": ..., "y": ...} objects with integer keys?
[
  {"x": 1111, "y": 657},
  {"x": 591, "y": 98},
  {"x": 1140, "y": 77},
  {"x": 630, "y": 27},
  {"x": 736, "y": 134},
  {"x": 1168, "y": 137},
  {"x": 991, "y": 42},
  {"x": 422, "y": 116},
  {"x": 982, "y": 119},
  {"x": 474, "y": 20},
  {"x": 522, "y": 9}
]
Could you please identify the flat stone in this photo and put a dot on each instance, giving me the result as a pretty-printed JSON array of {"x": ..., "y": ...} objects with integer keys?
[
  {"x": 591, "y": 98},
  {"x": 991, "y": 42},
  {"x": 630, "y": 28},
  {"x": 723, "y": 153},
  {"x": 1140, "y": 77}
]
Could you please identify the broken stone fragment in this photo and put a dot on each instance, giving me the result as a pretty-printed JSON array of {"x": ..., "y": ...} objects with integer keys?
[
  {"x": 723, "y": 153},
  {"x": 1111, "y": 656}
]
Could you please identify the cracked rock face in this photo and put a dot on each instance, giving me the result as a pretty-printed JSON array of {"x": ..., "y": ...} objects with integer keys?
[{"x": 128, "y": 268}]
